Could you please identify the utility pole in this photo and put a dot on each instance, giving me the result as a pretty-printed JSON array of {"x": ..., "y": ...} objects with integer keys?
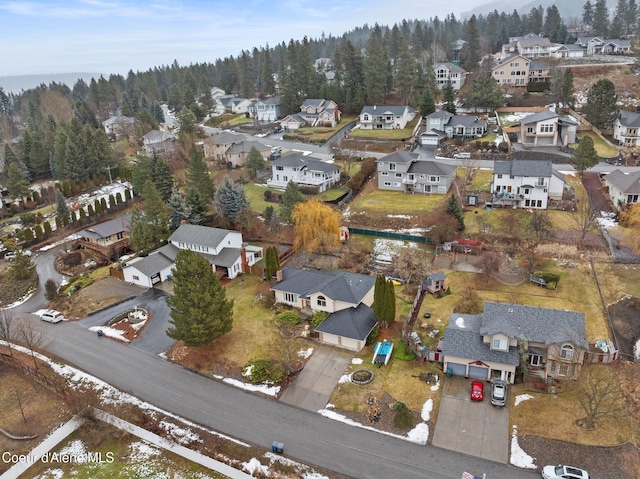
[{"x": 109, "y": 168}]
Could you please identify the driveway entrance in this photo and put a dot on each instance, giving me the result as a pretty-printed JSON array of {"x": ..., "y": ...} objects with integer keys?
[
  {"x": 313, "y": 387},
  {"x": 475, "y": 428}
]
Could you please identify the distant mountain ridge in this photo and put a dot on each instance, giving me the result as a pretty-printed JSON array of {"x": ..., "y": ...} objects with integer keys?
[
  {"x": 17, "y": 83},
  {"x": 569, "y": 9}
]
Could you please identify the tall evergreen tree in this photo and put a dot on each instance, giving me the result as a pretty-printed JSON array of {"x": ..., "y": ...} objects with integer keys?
[
  {"x": 449, "y": 97},
  {"x": 587, "y": 13},
  {"x": 196, "y": 206},
  {"x": 485, "y": 94},
  {"x": 161, "y": 176},
  {"x": 149, "y": 224},
  {"x": 255, "y": 162},
  {"x": 200, "y": 310},
  {"x": 471, "y": 52},
  {"x": 428, "y": 103},
  {"x": 389, "y": 303},
  {"x": 601, "y": 19},
  {"x": 454, "y": 209},
  {"x": 585, "y": 155},
  {"x": 61, "y": 205},
  {"x": 406, "y": 72},
  {"x": 290, "y": 198},
  {"x": 179, "y": 210},
  {"x": 272, "y": 262},
  {"x": 601, "y": 108},
  {"x": 376, "y": 68},
  {"x": 379, "y": 297},
  {"x": 198, "y": 176},
  {"x": 17, "y": 183},
  {"x": 266, "y": 72},
  {"x": 230, "y": 201}
]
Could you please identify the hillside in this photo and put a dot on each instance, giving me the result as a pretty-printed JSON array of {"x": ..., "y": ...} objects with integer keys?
[
  {"x": 17, "y": 83},
  {"x": 569, "y": 9}
]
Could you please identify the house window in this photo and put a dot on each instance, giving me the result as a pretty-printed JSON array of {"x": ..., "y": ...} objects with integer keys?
[
  {"x": 398, "y": 175},
  {"x": 396, "y": 184},
  {"x": 535, "y": 359},
  {"x": 423, "y": 177},
  {"x": 566, "y": 352},
  {"x": 526, "y": 191},
  {"x": 387, "y": 183},
  {"x": 392, "y": 166},
  {"x": 280, "y": 168},
  {"x": 530, "y": 129},
  {"x": 511, "y": 177},
  {"x": 290, "y": 297},
  {"x": 322, "y": 301},
  {"x": 539, "y": 205},
  {"x": 499, "y": 177},
  {"x": 498, "y": 189},
  {"x": 136, "y": 278},
  {"x": 527, "y": 203},
  {"x": 500, "y": 344},
  {"x": 385, "y": 173},
  {"x": 563, "y": 369},
  {"x": 434, "y": 179},
  {"x": 546, "y": 128},
  {"x": 540, "y": 181},
  {"x": 365, "y": 118}
]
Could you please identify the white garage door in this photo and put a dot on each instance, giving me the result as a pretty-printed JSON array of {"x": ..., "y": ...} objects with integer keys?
[{"x": 429, "y": 140}]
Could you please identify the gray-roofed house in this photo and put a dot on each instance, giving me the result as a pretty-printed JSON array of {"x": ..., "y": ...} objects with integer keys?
[
  {"x": 109, "y": 238},
  {"x": 157, "y": 141},
  {"x": 616, "y": 46},
  {"x": 118, "y": 126},
  {"x": 304, "y": 171},
  {"x": 526, "y": 184},
  {"x": 486, "y": 346},
  {"x": 320, "y": 112},
  {"x": 570, "y": 50},
  {"x": 386, "y": 117},
  {"x": 347, "y": 297},
  {"x": 232, "y": 104},
  {"x": 624, "y": 188},
  {"x": 224, "y": 249},
  {"x": 267, "y": 110},
  {"x": 465, "y": 126},
  {"x": 237, "y": 154},
  {"x": 626, "y": 129},
  {"x": 215, "y": 147},
  {"x": 293, "y": 121},
  {"x": 449, "y": 73},
  {"x": 408, "y": 172},
  {"x": 534, "y": 46},
  {"x": 547, "y": 128}
]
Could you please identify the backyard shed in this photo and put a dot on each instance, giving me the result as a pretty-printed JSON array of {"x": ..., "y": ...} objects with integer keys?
[{"x": 435, "y": 283}]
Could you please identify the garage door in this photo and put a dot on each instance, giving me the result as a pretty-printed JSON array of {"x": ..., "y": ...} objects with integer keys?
[
  {"x": 457, "y": 369},
  {"x": 429, "y": 140},
  {"x": 478, "y": 372}
]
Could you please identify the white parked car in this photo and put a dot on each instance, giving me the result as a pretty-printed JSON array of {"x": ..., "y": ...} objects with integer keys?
[
  {"x": 11, "y": 255},
  {"x": 564, "y": 472},
  {"x": 51, "y": 316}
]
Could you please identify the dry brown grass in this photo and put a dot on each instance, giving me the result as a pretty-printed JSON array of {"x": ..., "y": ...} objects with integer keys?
[
  {"x": 618, "y": 280},
  {"x": 554, "y": 417}
]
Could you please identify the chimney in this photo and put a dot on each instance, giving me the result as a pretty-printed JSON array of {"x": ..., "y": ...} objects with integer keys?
[
  {"x": 279, "y": 275},
  {"x": 245, "y": 264}
]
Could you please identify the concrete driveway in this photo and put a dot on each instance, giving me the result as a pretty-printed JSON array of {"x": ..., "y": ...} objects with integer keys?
[
  {"x": 313, "y": 387},
  {"x": 475, "y": 428}
]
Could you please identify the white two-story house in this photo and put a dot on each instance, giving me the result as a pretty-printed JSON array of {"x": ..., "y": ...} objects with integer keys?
[
  {"x": 304, "y": 171},
  {"x": 525, "y": 184},
  {"x": 449, "y": 73},
  {"x": 626, "y": 129},
  {"x": 224, "y": 249},
  {"x": 624, "y": 188},
  {"x": 547, "y": 128},
  {"x": 266, "y": 111},
  {"x": 386, "y": 117},
  {"x": 406, "y": 171}
]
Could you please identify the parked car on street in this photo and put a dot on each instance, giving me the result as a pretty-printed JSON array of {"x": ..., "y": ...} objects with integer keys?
[
  {"x": 51, "y": 316},
  {"x": 477, "y": 391},
  {"x": 564, "y": 472},
  {"x": 11, "y": 255},
  {"x": 499, "y": 393}
]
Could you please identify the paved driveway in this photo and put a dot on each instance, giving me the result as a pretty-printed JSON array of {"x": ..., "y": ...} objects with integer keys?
[
  {"x": 313, "y": 387},
  {"x": 475, "y": 428}
]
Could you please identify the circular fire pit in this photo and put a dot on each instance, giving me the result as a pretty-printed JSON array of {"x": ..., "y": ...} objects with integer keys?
[{"x": 362, "y": 376}]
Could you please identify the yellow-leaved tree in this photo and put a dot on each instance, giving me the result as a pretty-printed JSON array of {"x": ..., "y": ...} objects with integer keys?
[
  {"x": 316, "y": 227},
  {"x": 630, "y": 219}
]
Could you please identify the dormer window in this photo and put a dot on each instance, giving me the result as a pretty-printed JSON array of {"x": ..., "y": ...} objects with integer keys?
[
  {"x": 566, "y": 352},
  {"x": 500, "y": 344}
]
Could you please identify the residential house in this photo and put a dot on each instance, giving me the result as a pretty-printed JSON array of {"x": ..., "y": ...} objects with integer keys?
[
  {"x": 547, "y": 128},
  {"x": 320, "y": 112},
  {"x": 626, "y": 129},
  {"x": 528, "y": 46},
  {"x": 616, "y": 46},
  {"x": 293, "y": 122},
  {"x": 304, "y": 171},
  {"x": 232, "y": 104},
  {"x": 592, "y": 45},
  {"x": 237, "y": 154},
  {"x": 224, "y": 249},
  {"x": 569, "y": 51},
  {"x": 347, "y": 297},
  {"x": 465, "y": 126},
  {"x": 449, "y": 73},
  {"x": 267, "y": 110},
  {"x": 525, "y": 183},
  {"x": 109, "y": 238},
  {"x": 159, "y": 142},
  {"x": 624, "y": 188},
  {"x": 517, "y": 71},
  {"x": 487, "y": 346},
  {"x": 215, "y": 147},
  {"x": 386, "y": 117},
  {"x": 406, "y": 171},
  {"x": 456, "y": 48},
  {"x": 118, "y": 126}
]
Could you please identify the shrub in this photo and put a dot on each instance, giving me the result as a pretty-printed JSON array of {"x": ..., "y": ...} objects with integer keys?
[
  {"x": 403, "y": 418},
  {"x": 317, "y": 318},
  {"x": 73, "y": 259},
  {"x": 373, "y": 336},
  {"x": 28, "y": 219},
  {"x": 403, "y": 353},
  {"x": 267, "y": 195},
  {"x": 263, "y": 371},
  {"x": 357, "y": 182},
  {"x": 289, "y": 317},
  {"x": 50, "y": 290}
]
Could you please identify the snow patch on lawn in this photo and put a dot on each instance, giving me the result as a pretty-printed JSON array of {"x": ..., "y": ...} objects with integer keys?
[
  {"x": 356, "y": 361},
  {"x": 427, "y": 407},
  {"x": 305, "y": 353},
  {"x": 519, "y": 458},
  {"x": 522, "y": 397}
]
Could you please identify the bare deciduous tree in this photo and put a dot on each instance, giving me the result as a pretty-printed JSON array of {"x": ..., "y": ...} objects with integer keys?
[
  {"x": 584, "y": 217},
  {"x": 32, "y": 335},
  {"x": 7, "y": 329},
  {"x": 410, "y": 265},
  {"x": 599, "y": 394}
]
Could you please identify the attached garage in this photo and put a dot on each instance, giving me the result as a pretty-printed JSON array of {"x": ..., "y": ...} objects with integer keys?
[
  {"x": 478, "y": 372},
  {"x": 456, "y": 369}
]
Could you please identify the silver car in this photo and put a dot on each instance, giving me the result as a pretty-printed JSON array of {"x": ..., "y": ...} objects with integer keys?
[
  {"x": 51, "y": 316},
  {"x": 499, "y": 393}
]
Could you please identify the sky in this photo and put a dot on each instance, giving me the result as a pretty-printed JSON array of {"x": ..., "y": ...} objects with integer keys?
[{"x": 100, "y": 36}]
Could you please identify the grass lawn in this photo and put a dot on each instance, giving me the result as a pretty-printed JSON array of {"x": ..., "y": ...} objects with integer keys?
[
  {"x": 602, "y": 148},
  {"x": 405, "y": 133},
  {"x": 618, "y": 280},
  {"x": 255, "y": 195},
  {"x": 488, "y": 138},
  {"x": 554, "y": 416},
  {"x": 481, "y": 179},
  {"x": 317, "y": 134},
  {"x": 396, "y": 202}
]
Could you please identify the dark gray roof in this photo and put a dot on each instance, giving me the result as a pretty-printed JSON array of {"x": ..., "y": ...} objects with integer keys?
[
  {"x": 618, "y": 42},
  {"x": 452, "y": 67},
  {"x": 538, "y": 66},
  {"x": 429, "y": 167},
  {"x": 274, "y": 100},
  {"x": 305, "y": 162},
  {"x": 107, "y": 228},
  {"x": 400, "y": 156},
  {"x": 225, "y": 138},
  {"x": 152, "y": 264},
  {"x": 294, "y": 117},
  {"x": 567, "y": 120},
  {"x": 539, "y": 325},
  {"x": 435, "y": 132},
  {"x": 156, "y": 136},
  {"x": 439, "y": 276},
  {"x": 114, "y": 120},
  {"x": 463, "y": 339},
  {"x": 382, "y": 109},
  {"x": 200, "y": 235},
  {"x": 540, "y": 116},
  {"x": 626, "y": 183},
  {"x": 466, "y": 120},
  {"x": 629, "y": 119},
  {"x": 572, "y": 46},
  {"x": 314, "y": 102},
  {"x": 537, "y": 168},
  {"x": 226, "y": 258},
  {"x": 353, "y": 323},
  {"x": 336, "y": 285},
  {"x": 245, "y": 147},
  {"x": 533, "y": 41}
]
